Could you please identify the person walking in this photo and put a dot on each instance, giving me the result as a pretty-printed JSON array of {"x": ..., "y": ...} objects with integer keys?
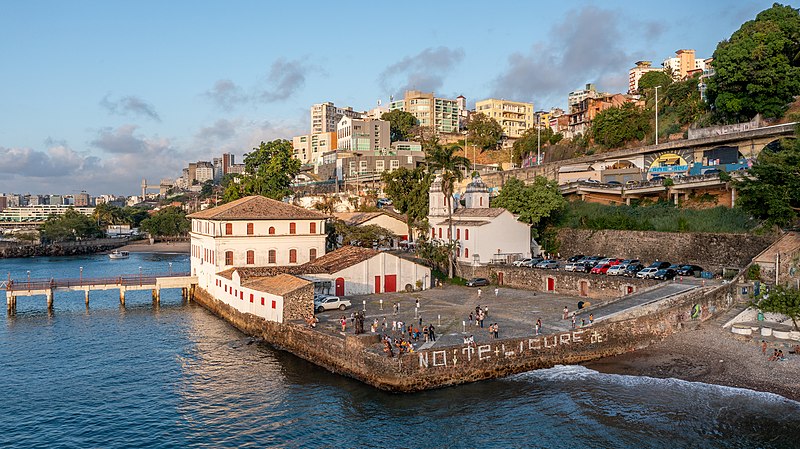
[
  {"x": 591, "y": 318},
  {"x": 479, "y": 293},
  {"x": 566, "y": 312},
  {"x": 538, "y": 325},
  {"x": 573, "y": 321},
  {"x": 496, "y": 332},
  {"x": 432, "y": 332},
  {"x": 496, "y": 292}
]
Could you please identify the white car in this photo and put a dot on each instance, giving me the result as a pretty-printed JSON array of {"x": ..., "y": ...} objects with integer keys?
[
  {"x": 324, "y": 303},
  {"x": 521, "y": 263},
  {"x": 647, "y": 273},
  {"x": 616, "y": 270}
]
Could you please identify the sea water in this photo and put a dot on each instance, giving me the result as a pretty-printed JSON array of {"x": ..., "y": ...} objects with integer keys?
[{"x": 174, "y": 375}]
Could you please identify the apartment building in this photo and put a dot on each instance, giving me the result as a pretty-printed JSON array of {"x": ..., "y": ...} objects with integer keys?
[
  {"x": 310, "y": 147},
  {"x": 204, "y": 172},
  {"x": 683, "y": 63},
  {"x": 583, "y": 113},
  {"x": 82, "y": 199},
  {"x": 577, "y": 96},
  {"x": 515, "y": 117},
  {"x": 326, "y": 116},
  {"x": 440, "y": 114},
  {"x": 635, "y": 74},
  {"x": 362, "y": 135}
]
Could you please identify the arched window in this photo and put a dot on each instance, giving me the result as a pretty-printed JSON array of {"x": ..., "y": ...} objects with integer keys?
[
  {"x": 466, "y": 234},
  {"x": 249, "y": 228},
  {"x": 466, "y": 252},
  {"x": 459, "y": 252},
  {"x": 228, "y": 257},
  {"x": 312, "y": 228},
  {"x": 272, "y": 256},
  {"x": 271, "y": 230},
  {"x": 292, "y": 256},
  {"x": 228, "y": 228},
  {"x": 312, "y": 254},
  {"x": 480, "y": 200},
  {"x": 458, "y": 234},
  {"x": 433, "y": 233},
  {"x": 292, "y": 228},
  {"x": 440, "y": 232},
  {"x": 251, "y": 257}
]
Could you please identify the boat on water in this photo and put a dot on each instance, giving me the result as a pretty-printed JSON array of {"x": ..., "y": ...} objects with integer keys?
[{"x": 116, "y": 254}]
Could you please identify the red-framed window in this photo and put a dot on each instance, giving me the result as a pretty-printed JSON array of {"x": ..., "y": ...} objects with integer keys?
[
  {"x": 262, "y": 300},
  {"x": 249, "y": 228},
  {"x": 292, "y": 228},
  {"x": 272, "y": 256},
  {"x": 466, "y": 234},
  {"x": 292, "y": 256},
  {"x": 274, "y": 304},
  {"x": 251, "y": 257},
  {"x": 228, "y": 257},
  {"x": 312, "y": 228},
  {"x": 272, "y": 230},
  {"x": 458, "y": 234},
  {"x": 251, "y": 297},
  {"x": 466, "y": 252},
  {"x": 312, "y": 254},
  {"x": 228, "y": 228}
]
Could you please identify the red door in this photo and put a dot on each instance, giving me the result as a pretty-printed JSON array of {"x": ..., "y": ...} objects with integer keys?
[
  {"x": 390, "y": 283},
  {"x": 339, "y": 286},
  {"x": 377, "y": 284},
  {"x": 499, "y": 278},
  {"x": 551, "y": 284}
]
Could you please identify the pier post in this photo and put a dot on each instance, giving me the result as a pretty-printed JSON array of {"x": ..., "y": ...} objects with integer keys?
[
  {"x": 122, "y": 296},
  {"x": 87, "y": 296},
  {"x": 49, "y": 294},
  {"x": 156, "y": 295},
  {"x": 11, "y": 303}
]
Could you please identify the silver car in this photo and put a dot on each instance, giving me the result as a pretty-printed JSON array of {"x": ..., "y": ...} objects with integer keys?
[
  {"x": 647, "y": 273},
  {"x": 330, "y": 303}
]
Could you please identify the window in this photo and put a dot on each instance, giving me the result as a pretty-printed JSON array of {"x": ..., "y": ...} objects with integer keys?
[
  {"x": 292, "y": 228},
  {"x": 466, "y": 252},
  {"x": 440, "y": 232},
  {"x": 228, "y": 228},
  {"x": 394, "y": 164},
  {"x": 249, "y": 228},
  {"x": 262, "y": 300},
  {"x": 480, "y": 200},
  {"x": 251, "y": 257},
  {"x": 466, "y": 234},
  {"x": 251, "y": 297},
  {"x": 312, "y": 228},
  {"x": 228, "y": 257},
  {"x": 458, "y": 234},
  {"x": 241, "y": 296},
  {"x": 272, "y": 256},
  {"x": 273, "y": 304},
  {"x": 271, "y": 230},
  {"x": 379, "y": 166},
  {"x": 292, "y": 256},
  {"x": 433, "y": 233},
  {"x": 312, "y": 254}
]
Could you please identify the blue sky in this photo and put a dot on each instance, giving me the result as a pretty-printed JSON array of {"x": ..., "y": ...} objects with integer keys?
[{"x": 97, "y": 95}]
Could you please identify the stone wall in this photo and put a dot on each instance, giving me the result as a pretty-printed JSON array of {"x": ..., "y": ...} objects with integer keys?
[
  {"x": 591, "y": 286},
  {"x": 62, "y": 249},
  {"x": 299, "y": 304},
  {"x": 710, "y": 251}
]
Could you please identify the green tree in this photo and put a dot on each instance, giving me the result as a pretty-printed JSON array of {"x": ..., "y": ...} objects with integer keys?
[
  {"x": 683, "y": 98},
  {"x": 269, "y": 171},
  {"x": 134, "y": 215},
  {"x": 208, "y": 189},
  {"x": 528, "y": 143},
  {"x": 369, "y": 236},
  {"x": 408, "y": 190},
  {"x": 167, "y": 222},
  {"x": 401, "y": 124},
  {"x": 652, "y": 79},
  {"x": 770, "y": 190},
  {"x": 105, "y": 214},
  {"x": 757, "y": 70},
  {"x": 443, "y": 161},
  {"x": 70, "y": 226},
  {"x": 535, "y": 204},
  {"x": 483, "y": 131},
  {"x": 616, "y": 126},
  {"x": 783, "y": 300}
]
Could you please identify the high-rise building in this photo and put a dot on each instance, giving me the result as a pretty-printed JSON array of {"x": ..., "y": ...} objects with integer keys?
[
  {"x": 204, "y": 171},
  {"x": 514, "y": 117},
  {"x": 577, "y": 96},
  {"x": 683, "y": 63},
  {"x": 440, "y": 114},
  {"x": 82, "y": 199},
  {"x": 362, "y": 135},
  {"x": 463, "y": 112},
  {"x": 56, "y": 200},
  {"x": 310, "y": 147},
  {"x": 3, "y": 203},
  {"x": 326, "y": 116},
  {"x": 635, "y": 74},
  {"x": 192, "y": 173}
]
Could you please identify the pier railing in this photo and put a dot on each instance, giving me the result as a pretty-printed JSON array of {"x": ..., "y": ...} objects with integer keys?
[{"x": 52, "y": 283}]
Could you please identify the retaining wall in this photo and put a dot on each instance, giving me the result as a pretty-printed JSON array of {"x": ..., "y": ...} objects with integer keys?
[{"x": 62, "y": 249}]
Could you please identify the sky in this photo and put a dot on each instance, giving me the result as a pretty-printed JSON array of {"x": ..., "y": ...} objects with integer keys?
[{"x": 97, "y": 95}]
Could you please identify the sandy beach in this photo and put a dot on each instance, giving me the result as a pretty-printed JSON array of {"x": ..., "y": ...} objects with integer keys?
[
  {"x": 713, "y": 355},
  {"x": 144, "y": 246}
]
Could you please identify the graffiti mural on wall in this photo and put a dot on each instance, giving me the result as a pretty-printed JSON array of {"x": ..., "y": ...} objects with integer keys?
[{"x": 510, "y": 349}]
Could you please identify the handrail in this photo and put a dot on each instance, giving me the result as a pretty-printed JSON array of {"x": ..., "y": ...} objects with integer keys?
[{"x": 121, "y": 280}]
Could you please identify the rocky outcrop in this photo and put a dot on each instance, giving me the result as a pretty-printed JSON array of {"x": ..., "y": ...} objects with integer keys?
[{"x": 61, "y": 249}]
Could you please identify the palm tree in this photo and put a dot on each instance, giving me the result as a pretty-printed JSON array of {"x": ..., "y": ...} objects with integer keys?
[{"x": 444, "y": 161}]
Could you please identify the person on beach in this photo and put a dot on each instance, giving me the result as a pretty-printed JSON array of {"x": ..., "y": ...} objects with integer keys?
[
  {"x": 774, "y": 356},
  {"x": 479, "y": 293},
  {"x": 496, "y": 332}
]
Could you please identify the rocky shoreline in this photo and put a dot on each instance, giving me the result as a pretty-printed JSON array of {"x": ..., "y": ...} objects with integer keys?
[{"x": 713, "y": 355}]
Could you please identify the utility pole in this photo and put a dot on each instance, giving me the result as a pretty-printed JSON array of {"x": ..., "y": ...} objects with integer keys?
[
  {"x": 538, "y": 141},
  {"x": 657, "y": 114}
]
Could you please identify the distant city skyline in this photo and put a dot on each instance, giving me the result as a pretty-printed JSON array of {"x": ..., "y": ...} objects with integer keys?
[{"x": 97, "y": 96}]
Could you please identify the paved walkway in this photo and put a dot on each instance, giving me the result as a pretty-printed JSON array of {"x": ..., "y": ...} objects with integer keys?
[{"x": 658, "y": 293}]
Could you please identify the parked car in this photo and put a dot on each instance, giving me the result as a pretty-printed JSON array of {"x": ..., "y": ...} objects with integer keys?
[
  {"x": 690, "y": 270},
  {"x": 532, "y": 262},
  {"x": 548, "y": 264},
  {"x": 573, "y": 266},
  {"x": 616, "y": 270},
  {"x": 665, "y": 274},
  {"x": 575, "y": 258},
  {"x": 613, "y": 262},
  {"x": 632, "y": 269},
  {"x": 331, "y": 303},
  {"x": 659, "y": 265},
  {"x": 630, "y": 261},
  {"x": 584, "y": 267},
  {"x": 521, "y": 262},
  {"x": 614, "y": 183},
  {"x": 477, "y": 282},
  {"x": 647, "y": 273},
  {"x": 601, "y": 269}
]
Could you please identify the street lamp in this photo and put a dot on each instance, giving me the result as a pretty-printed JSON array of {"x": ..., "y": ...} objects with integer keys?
[
  {"x": 81, "y": 276},
  {"x": 140, "y": 276},
  {"x": 657, "y": 114},
  {"x": 538, "y": 141},
  {"x": 170, "y": 268},
  {"x": 29, "y": 280}
]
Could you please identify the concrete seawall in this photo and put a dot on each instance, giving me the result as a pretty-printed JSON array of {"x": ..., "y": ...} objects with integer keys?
[{"x": 358, "y": 357}]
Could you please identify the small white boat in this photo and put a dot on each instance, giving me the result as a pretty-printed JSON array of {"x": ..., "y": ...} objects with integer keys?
[{"x": 116, "y": 254}]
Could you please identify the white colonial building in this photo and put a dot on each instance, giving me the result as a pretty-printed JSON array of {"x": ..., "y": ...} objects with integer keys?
[
  {"x": 253, "y": 231},
  {"x": 484, "y": 234}
]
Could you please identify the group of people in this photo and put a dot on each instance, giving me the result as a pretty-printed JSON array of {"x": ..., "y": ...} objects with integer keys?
[
  {"x": 777, "y": 354},
  {"x": 312, "y": 321},
  {"x": 479, "y": 316},
  {"x": 391, "y": 344}
]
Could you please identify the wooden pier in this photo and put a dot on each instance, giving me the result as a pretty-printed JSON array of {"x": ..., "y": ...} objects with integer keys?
[{"x": 47, "y": 287}]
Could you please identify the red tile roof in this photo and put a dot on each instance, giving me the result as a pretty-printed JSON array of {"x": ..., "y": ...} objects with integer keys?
[
  {"x": 279, "y": 285},
  {"x": 257, "y": 208},
  {"x": 357, "y": 218}
]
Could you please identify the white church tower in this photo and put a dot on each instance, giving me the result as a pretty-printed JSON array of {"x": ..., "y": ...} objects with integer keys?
[
  {"x": 436, "y": 199},
  {"x": 477, "y": 194}
]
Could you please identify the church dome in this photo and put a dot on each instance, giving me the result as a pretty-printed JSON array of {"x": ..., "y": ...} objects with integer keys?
[{"x": 477, "y": 186}]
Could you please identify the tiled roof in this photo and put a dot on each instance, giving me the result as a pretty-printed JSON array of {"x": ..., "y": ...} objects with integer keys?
[
  {"x": 246, "y": 273},
  {"x": 340, "y": 259},
  {"x": 478, "y": 212},
  {"x": 257, "y": 208},
  {"x": 357, "y": 218},
  {"x": 280, "y": 285}
]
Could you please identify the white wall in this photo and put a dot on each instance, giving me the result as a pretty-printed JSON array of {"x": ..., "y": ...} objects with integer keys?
[
  {"x": 232, "y": 293},
  {"x": 504, "y": 232},
  {"x": 360, "y": 278}
]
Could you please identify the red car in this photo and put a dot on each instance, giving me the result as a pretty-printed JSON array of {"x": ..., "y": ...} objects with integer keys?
[
  {"x": 613, "y": 262},
  {"x": 601, "y": 269}
]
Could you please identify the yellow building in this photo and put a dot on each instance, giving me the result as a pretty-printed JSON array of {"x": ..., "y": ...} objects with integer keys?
[{"x": 514, "y": 117}]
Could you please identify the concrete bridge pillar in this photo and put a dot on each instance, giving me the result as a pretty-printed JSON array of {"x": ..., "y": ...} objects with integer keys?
[
  {"x": 49, "y": 294},
  {"x": 122, "y": 296},
  {"x": 156, "y": 293},
  {"x": 86, "y": 293},
  {"x": 11, "y": 303}
]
